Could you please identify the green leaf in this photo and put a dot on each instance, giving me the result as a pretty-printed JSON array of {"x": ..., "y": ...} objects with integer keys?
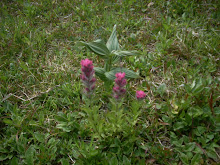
[
  {"x": 125, "y": 160},
  {"x": 166, "y": 119},
  {"x": 115, "y": 59},
  {"x": 197, "y": 86},
  {"x": 178, "y": 125},
  {"x": 29, "y": 155},
  {"x": 64, "y": 127},
  {"x": 8, "y": 121},
  {"x": 196, "y": 159},
  {"x": 100, "y": 72},
  {"x": 184, "y": 158},
  {"x": 75, "y": 154},
  {"x": 14, "y": 161},
  {"x": 189, "y": 147},
  {"x": 128, "y": 73},
  {"x": 212, "y": 154},
  {"x": 97, "y": 47},
  {"x": 112, "y": 43},
  {"x": 23, "y": 66},
  {"x": 121, "y": 53},
  {"x": 217, "y": 110},
  {"x": 40, "y": 137},
  {"x": 64, "y": 161},
  {"x": 187, "y": 88},
  {"x": 4, "y": 157},
  {"x": 61, "y": 117},
  {"x": 195, "y": 111},
  {"x": 200, "y": 130},
  {"x": 113, "y": 161},
  {"x": 51, "y": 141},
  {"x": 162, "y": 89}
]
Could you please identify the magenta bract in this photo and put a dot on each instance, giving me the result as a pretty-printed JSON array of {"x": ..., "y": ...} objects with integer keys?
[
  {"x": 87, "y": 78},
  {"x": 120, "y": 82},
  {"x": 140, "y": 95}
]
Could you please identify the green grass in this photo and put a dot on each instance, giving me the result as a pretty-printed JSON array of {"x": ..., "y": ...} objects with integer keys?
[{"x": 43, "y": 118}]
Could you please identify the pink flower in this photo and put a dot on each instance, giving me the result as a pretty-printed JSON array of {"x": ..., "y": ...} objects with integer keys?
[
  {"x": 87, "y": 68},
  {"x": 87, "y": 76},
  {"x": 120, "y": 82},
  {"x": 140, "y": 95},
  {"x": 120, "y": 79}
]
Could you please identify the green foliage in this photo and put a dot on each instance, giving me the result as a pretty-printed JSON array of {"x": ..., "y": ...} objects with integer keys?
[
  {"x": 111, "y": 53},
  {"x": 45, "y": 119}
]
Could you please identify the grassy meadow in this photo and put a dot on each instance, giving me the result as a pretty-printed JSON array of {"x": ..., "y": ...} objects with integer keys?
[{"x": 170, "y": 47}]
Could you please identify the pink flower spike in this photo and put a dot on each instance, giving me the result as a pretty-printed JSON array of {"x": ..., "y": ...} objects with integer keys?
[
  {"x": 87, "y": 78},
  {"x": 140, "y": 95},
  {"x": 86, "y": 63},
  {"x": 120, "y": 79},
  {"x": 116, "y": 89},
  {"x": 83, "y": 77},
  {"x": 120, "y": 82},
  {"x": 120, "y": 75}
]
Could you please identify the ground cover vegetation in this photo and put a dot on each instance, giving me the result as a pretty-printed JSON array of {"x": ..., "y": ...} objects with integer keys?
[{"x": 149, "y": 95}]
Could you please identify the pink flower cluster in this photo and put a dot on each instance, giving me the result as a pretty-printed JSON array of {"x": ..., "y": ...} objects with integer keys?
[
  {"x": 88, "y": 80},
  {"x": 120, "y": 82},
  {"x": 87, "y": 76},
  {"x": 140, "y": 95}
]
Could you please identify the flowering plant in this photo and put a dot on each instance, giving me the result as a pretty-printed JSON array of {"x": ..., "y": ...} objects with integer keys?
[
  {"x": 140, "y": 95},
  {"x": 87, "y": 76},
  {"x": 120, "y": 82},
  {"x": 111, "y": 53}
]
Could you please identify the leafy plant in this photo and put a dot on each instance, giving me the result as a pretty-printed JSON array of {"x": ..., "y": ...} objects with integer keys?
[
  {"x": 45, "y": 118},
  {"x": 111, "y": 53}
]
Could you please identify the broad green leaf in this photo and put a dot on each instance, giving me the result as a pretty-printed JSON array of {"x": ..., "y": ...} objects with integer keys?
[
  {"x": 97, "y": 47},
  {"x": 29, "y": 155},
  {"x": 128, "y": 73},
  {"x": 115, "y": 59},
  {"x": 100, "y": 72},
  {"x": 107, "y": 65},
  {"x": 121, "y": 53},
  {"x": 112, "y": 43}
]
